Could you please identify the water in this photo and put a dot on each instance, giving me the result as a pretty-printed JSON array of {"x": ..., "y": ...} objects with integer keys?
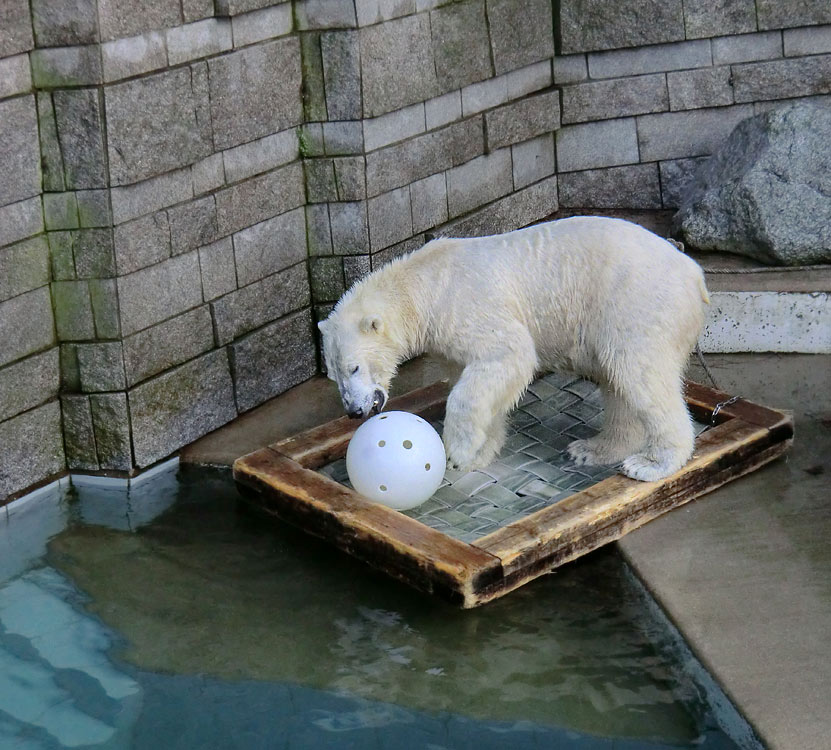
[{"x": 165, "y": 618}]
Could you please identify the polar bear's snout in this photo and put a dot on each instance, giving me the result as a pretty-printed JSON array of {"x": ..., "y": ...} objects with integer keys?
[{"x": 363, "y": 406}]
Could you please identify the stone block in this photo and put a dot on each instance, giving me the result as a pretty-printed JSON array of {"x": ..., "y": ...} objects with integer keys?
[
  {"x": 813, "y": 40},
  {"x": 236, "y": 7},
  {"x": 591, "y": 145},
  {"x": 193, "y": 10},
  {"x": 324, "y": 14},
  {"x": 32, "y": 446},
  {"x": 70, "y": 377},
  {"x": 570, "y": 69},
  {"x": 268, "y": 362},
  {"x": 23, "y": 267},
  {"x": 395, "y": 251},
  {"x": 131, "y": 201},
  {"x": 782, "y": 79},
  {"x": 156, "y": 124},
  {"x": 393, "y": 56},
  {"x": 318, "y": 232},
  {"x": 26, "y": 325},
  {"x": 93, "y": 208},
  {"x": 141, "y": 242},
  {"x": 101, "y": 367},
  {"x": 390, "y": 218},
  {"x": 209, "y": 36},
  {"x": 60, "y": 211},
  {"x": 481, "y": 96},
  {"x": 255, "y": 92},
  {"x": 259, "y": 25},
  {"x": 461, "y": 49},
  {"x": 355, "y": 267},
  {"x": 442, "y": 110},
  {"x": 123, "y": 58},
  {"x": 403, "y": 163},
  {"x": 673, "y": 135},
  {"x": 102, "y": 294},
  {"x": 635, "y": 186},
  {"x": 343, "y": 138},
  {"x": 20, "y": 220},
  {"x": 216, "y": 262},
  {"x": 429, "y": 202},
  {"x": 270, "y": 246},
  {"x": 111, "y": 422},
  {"x": 79, "y": 434},
  {"x": 533, "y": 160},
  {"x": 746, "y": 48},
  {"x": 350, "y": 234},
  {"x": 518, "y": 209},
  {"x": 328, "y": 283},
  {"x": 523, "y": 119},
  {"x": 159, "y": 292},
  {"x": 341, "y": 69},
  {"x": 168, "y": 344},
  {"x": 676, "y": 178},
  {"x": 93, "y": 252},
  {"x": 15, "y": 76},
  {"x": 259, "y": 198},
  {"x": 529, "y": 79},
  {"x": 15, "y": 31},
  {"x": 73, "y": 311},
  {"x": 51, "y": 161},
  {"x": 376, "y": 11},
  {"x": 694, "y": 89},
  {"x": 19, "y": 150},
  {"x": 60, "y": 23},
  {"x": 620, "y": 97},
  {"x": 123, "y": 18},
  {"x": 314, "y": 89},
  {"x": 479, "y": 181},
  {"x": 55, "y": 67},
  {"x": 208, "y": 174},
  {"x": 259, "y": 303},
  {"x": 192, "y": 225},
  {"x": 350, "y": 178},
  {"x": 310, "y": 137},
  {"x": 28, "y": 383},
  {"x": 519, "y": 38},
  {"x": 588, "y": 25},
  {"x": 705, "y": 18},
  {"x": 62, "y": 258},
  {"x": 320, "y": 180},
  {"x": 657, "y": 59},
  {"x": 179, "y": 406},
  {"x": 261, "y": 155},
  {"x": 774, "y": 14}
]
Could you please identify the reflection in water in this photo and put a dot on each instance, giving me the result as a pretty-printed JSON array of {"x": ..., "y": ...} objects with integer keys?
[{"x": 204, "y": 627}]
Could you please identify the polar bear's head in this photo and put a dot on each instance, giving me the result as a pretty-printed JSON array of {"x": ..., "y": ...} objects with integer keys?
[{"x": 360, "y": 358}]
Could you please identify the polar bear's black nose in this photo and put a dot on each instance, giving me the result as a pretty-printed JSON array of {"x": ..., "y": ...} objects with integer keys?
[{"x": 355, "y": 413}]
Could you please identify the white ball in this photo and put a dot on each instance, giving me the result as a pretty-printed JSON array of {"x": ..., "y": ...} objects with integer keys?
[{"x": 396, "y": 458}]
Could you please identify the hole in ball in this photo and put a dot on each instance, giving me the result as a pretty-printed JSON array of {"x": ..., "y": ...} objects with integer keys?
[
  {"x": 382, "y": 443},
  {"x": 383, "y": 488},
  {"x": 384, "y": 417},
  {"x": 426, "y": 467},
  {"x": 407, "y": 444}
]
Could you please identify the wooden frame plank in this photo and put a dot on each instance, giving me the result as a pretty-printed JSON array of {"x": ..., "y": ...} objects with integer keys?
[{"x": 285, "y": 486}]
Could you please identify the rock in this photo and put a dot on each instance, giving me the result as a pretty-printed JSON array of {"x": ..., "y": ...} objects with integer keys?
[{"x": 766, "y": 192}]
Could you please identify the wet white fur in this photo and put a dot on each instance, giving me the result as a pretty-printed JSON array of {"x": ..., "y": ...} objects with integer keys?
[{"x": 602, "y": 298}]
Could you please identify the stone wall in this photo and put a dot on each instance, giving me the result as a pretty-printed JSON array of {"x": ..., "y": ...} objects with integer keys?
[{"x": 188, "y": 184}]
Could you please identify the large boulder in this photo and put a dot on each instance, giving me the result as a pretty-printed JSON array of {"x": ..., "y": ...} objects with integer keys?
[{"x": 766, "y": 193}]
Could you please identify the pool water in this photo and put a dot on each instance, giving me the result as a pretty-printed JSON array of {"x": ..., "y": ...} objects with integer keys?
[{"x": 165, "y": 617}]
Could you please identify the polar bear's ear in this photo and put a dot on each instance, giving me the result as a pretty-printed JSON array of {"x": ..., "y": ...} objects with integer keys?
[
  {"x": 321, "y": 325},
  {"x": 372, "y": 323}
]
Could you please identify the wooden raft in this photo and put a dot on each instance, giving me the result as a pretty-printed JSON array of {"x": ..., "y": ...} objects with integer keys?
[{"x": 282, "y": 480}]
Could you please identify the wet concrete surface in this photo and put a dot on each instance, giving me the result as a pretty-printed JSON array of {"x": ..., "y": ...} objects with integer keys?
[{"x": 745, "y": 572}]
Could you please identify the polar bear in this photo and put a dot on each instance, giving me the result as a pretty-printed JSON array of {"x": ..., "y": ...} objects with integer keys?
[{"x": 598, "y": 297}]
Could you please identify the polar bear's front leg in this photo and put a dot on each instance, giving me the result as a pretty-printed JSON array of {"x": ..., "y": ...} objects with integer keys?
[{"x": 474, "y": 426}]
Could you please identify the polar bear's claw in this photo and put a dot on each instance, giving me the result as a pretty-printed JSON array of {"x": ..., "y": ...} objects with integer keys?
[{"x": 649, "y": 469}]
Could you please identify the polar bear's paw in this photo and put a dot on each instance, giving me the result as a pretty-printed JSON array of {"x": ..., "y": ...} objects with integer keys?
[
  {"x": 595, "y": 452},
  {"x": 650, "y": 469}
]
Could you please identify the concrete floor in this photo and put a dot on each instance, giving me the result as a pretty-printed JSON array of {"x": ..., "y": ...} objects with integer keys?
[{"x": 744, "y": 573}]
